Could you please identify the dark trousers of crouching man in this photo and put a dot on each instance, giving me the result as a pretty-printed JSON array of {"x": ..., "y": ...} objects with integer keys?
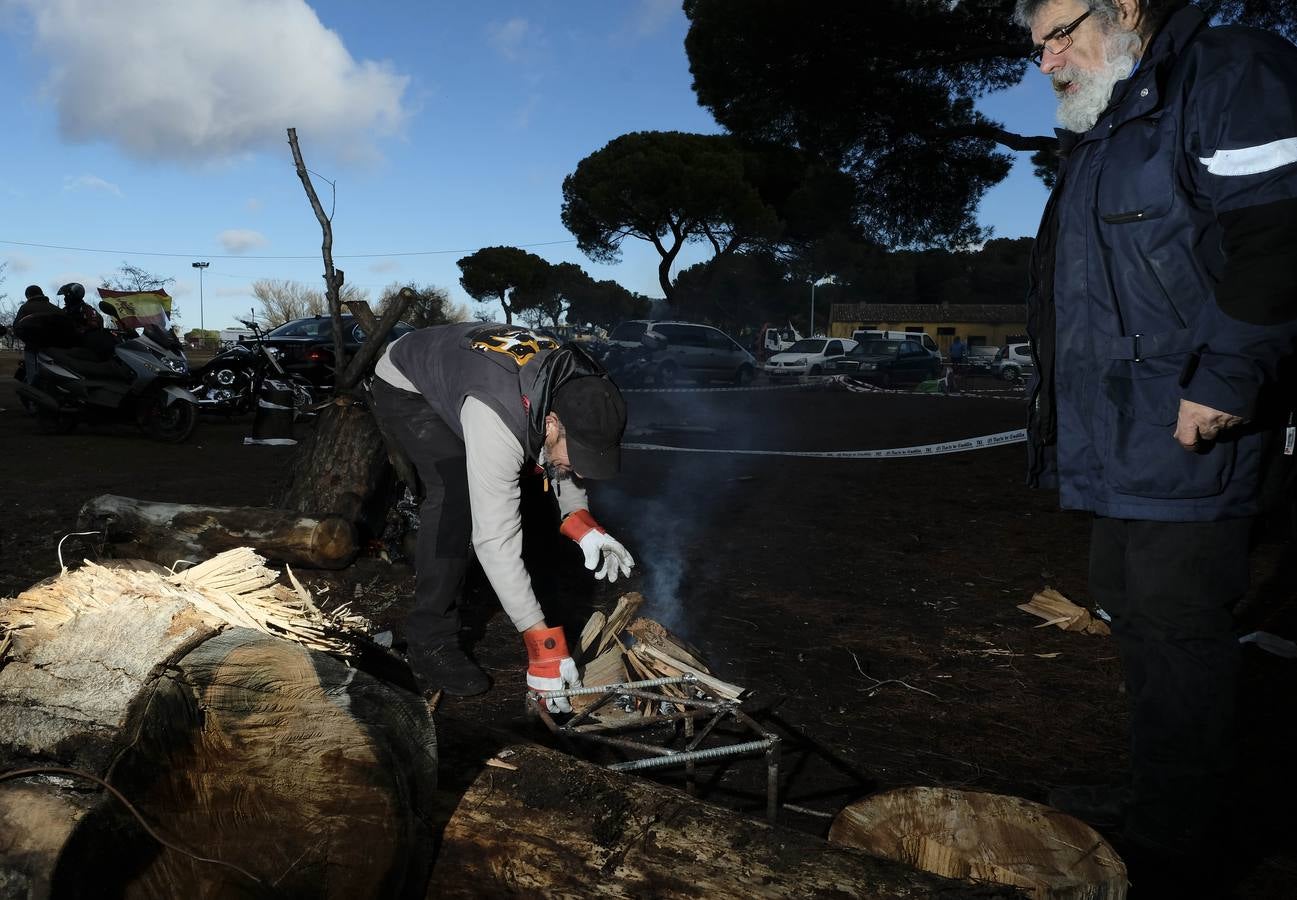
[{"x": 445, "y": 520}]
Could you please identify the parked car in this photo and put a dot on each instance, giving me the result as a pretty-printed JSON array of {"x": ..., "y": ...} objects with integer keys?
[
  {"x": 861, "y": 335},
  {"x": 679, "y": 350},
  {"x": 887, "y": 363},
  {"x": 979, "y": 359},
  {"x": 305, "y": 346},
  {"x": 807, "y": 357},
  {"x": 1012, "y": 360}
]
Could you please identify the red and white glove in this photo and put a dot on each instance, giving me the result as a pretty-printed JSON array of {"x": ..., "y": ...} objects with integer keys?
[
  {"x": 604, "y": 554},
  {"x": 549, "y": 666}
]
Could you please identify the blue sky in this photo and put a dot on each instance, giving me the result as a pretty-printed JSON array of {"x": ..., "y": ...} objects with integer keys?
[{"x": 155, "y": 131}]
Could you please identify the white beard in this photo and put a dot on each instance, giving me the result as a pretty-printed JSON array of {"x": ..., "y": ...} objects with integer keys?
[{"x": 1080, "y": 109}]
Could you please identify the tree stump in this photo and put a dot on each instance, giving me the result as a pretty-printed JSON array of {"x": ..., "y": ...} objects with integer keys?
[
  {"x": 986, "y": 837},
  {"x": 298, "y": 774},
  {"x": 555, "y": 826},
  {"x": 166, "y": 533},
  {"x": 340, "y": 466}
]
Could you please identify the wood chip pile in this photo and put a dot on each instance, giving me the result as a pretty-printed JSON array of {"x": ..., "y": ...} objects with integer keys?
[
  {"x": 232, "y": 589},
  {"x": 622, "y": 647},
  {"x": 1056, "y": 609}
]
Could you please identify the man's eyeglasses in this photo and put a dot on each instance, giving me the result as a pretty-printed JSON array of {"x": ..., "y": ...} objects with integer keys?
[{"x": 1058, "y": 40}]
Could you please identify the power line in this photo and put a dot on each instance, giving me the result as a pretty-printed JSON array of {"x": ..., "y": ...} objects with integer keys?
[{"x": 314, "y": 256}]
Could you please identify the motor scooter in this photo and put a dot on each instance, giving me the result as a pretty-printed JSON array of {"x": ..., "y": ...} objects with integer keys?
[{"x": 144, "y": 381}]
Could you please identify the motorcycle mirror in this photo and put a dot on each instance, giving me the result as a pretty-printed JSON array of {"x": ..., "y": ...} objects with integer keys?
[
  {"x": 106, "y": 307},
  {"x": 247, "y": 324}
]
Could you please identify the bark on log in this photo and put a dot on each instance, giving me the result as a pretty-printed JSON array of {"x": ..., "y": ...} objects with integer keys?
[
  {"x": 167, "y": 532},
  {"x": 988, "y": 837},
  {"x": 341, "y": 465},
  {"x": 314, "y": 778},
  {"x": 560, "y": 827}
]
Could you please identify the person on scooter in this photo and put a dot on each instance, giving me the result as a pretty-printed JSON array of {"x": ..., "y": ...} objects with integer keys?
[
  {"x": 87, "y": 320},
  {"x": 475, "y": 407},
  {"x": 39, "y": 324}
]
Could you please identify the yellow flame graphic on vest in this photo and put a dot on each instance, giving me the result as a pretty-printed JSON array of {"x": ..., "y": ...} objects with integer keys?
[{"x": 517, "y": 343}]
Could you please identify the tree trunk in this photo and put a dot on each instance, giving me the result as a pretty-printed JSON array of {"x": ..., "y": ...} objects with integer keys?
[
  {"x": 989, "y": 837},
  {"x": 304, "y": 776},
  {"x": 340, "y": 467},
  {"x": 165, "y": 533},
  {"x": 560, "y": 827}
]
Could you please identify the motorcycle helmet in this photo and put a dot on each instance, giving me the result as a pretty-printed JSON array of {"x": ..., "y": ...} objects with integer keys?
[{"x": 73, "y": 293}]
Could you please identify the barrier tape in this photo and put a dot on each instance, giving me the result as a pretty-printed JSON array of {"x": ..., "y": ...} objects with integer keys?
[{"x": 1001, "y": 439}]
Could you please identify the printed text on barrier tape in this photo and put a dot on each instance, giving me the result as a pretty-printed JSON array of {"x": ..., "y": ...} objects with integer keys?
[{"x": 978, "y": 443}]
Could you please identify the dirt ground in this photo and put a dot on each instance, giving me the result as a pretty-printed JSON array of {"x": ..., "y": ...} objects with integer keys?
[{"x": 870, "y": 605}]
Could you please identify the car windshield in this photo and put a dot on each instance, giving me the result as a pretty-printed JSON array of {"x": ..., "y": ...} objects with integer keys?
[
  {"x": 628, "y": 331},
  {"x": 880, "y": 348},
  {"x": 807, "y": 346}
]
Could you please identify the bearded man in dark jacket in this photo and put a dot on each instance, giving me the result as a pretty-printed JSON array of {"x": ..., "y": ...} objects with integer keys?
[{"x": 1162, "y": 311}]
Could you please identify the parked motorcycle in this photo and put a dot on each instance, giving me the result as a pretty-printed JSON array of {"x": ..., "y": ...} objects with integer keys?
[
  {"x": 144, "y": 381},
  {"x": 232, "y": 381}
]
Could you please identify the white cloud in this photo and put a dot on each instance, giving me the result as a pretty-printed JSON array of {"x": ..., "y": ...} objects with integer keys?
[
  {"x": 384, "y": 266},
  {"x": 241, "y": 240},
  {"x": 90, "y": 183},
  {"x": 651, "y": 16},
  {"x": 18, "y": 263},
  {"x": 209, "y": 79},
  {"x": 509, "y": 38}
]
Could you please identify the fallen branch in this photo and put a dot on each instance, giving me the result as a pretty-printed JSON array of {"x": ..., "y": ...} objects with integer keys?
[{"x": 878, "y": 684}]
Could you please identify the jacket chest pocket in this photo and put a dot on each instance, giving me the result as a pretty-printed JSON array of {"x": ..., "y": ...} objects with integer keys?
[{"x": 1137, "y": 179}]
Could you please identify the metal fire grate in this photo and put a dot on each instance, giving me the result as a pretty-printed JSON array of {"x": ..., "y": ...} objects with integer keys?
[{"x": 688, "y": 711}]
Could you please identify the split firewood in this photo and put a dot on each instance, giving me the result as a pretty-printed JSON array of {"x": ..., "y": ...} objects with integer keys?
[
  {"x": 625, "y": 610},
  {"x": 593, "y": 629},
  {"x": 608, "y": 667},
  {"x": 647, "y": 631},
  {"x": 714, "y": 685},
  {"x": 1056, "y": 609}
]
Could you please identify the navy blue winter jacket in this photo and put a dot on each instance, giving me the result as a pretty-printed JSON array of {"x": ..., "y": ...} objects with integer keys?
[{"x": 1166, "y": 268}]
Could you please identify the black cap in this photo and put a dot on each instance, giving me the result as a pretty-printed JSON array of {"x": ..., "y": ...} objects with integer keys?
[
  {"x": 34, "y": 291},
  {"x": 594, "y": 415}
]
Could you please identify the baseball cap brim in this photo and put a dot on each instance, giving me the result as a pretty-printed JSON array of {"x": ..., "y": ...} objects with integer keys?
[{"x": 593, "y": 462}]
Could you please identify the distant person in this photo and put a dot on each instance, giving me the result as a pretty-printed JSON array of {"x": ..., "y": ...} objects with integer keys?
[
  {"x": 39, "y": 324},
  {"x": 958, "y": 350},
  {"x": 475, "y": 407}
]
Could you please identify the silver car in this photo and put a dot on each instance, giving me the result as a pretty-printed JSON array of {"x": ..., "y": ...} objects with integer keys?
[{"x": 687, "y": 350}]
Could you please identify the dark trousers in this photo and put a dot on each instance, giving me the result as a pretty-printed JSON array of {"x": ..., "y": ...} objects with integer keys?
[
  {"x": 1170, "y": 588},
  {"x": 445, "y": 519}
]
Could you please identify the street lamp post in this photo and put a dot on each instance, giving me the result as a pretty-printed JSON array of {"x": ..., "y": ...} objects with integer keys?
[
  {"x": 202, "y": 323},
  {"x": 827, "y": 279}
]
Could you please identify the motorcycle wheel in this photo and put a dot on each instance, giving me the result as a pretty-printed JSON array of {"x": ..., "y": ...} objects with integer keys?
[{"x": 170, "y": 423}]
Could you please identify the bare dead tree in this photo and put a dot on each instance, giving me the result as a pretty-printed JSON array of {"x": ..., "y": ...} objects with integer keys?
[{"x": 332, "y": 277}]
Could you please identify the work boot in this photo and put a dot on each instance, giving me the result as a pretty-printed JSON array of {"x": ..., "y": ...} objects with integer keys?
[
  {"x": 1102, "y": 806},
  {"x": 446, "y": 667}
]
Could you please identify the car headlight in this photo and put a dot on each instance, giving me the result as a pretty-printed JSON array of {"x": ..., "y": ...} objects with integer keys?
[
  {"x": 800, "y": 362},
  {"x": 869, "y": 366}
]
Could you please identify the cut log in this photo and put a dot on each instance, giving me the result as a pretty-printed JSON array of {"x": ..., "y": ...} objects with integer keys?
[
  {"x": 560, "y": 827},
  {"x": 985, "y": 837},
  {"x": 167, "y": 533},
  {"x": 293, "y": 767}
]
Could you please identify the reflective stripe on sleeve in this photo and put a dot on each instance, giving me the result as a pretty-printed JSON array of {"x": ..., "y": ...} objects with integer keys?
[{"x": 1252, "y": 160}]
